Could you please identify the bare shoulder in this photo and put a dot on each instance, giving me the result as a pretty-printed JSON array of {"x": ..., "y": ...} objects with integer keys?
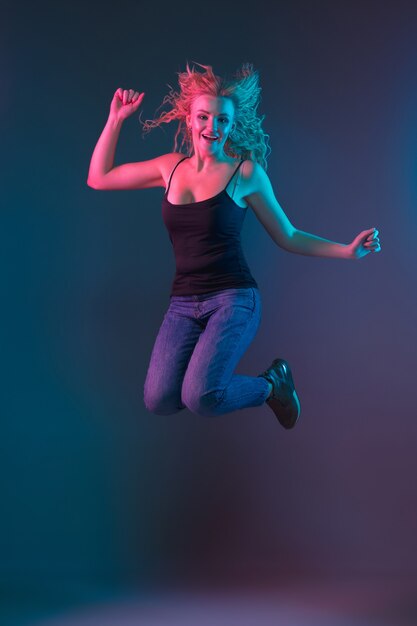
[
  {"x": 167, "y": 163},
  {"x": 254, "y": 177}
]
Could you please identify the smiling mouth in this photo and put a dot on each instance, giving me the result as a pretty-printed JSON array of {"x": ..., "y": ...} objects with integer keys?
[{"x": 208, "y": 138}]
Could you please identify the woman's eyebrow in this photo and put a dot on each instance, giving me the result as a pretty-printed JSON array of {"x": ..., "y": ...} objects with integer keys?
[{"x": 203, "y": 111}]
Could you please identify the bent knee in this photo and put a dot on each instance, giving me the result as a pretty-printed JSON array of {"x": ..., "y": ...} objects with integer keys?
[{"x": 161, "y": 406}]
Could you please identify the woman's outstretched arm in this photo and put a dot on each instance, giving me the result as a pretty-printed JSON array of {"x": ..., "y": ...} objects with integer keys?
[
  {"x": 260, "y": 196},
  {"x": 312, "y": 245}
]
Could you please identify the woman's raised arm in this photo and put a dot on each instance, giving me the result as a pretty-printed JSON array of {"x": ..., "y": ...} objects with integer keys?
[{"x": 102, "y": 173}]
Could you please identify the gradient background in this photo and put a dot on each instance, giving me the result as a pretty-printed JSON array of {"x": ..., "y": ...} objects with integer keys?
[{"x": 100, "y": 497}]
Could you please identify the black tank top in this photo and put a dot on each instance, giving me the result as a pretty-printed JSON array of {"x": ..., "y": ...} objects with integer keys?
[{"x": 205, "y": 236}]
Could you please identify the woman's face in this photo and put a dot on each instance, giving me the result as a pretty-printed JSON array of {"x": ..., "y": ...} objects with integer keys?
[{"x": 211, "y": 116}]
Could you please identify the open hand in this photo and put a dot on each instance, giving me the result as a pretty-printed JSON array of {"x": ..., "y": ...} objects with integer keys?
[{"x": 367, "y": 241}]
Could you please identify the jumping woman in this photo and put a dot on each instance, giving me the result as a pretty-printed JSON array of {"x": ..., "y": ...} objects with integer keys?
[{"x": 215, "y": 304}]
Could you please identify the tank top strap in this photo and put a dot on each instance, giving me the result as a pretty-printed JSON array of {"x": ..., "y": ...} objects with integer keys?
[
  {"x": 173, "y": 170},
  {"x": 230, "y": 179}
]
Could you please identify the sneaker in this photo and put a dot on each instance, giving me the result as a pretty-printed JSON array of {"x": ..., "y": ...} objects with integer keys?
[{"x": 283, "y": 400}]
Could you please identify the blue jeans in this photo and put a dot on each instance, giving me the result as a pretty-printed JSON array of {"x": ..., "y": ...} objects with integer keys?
[{"x": 199, "y": 343}]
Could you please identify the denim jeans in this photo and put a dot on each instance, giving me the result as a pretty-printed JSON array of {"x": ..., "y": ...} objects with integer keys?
[{"x": 199, "y": 343}]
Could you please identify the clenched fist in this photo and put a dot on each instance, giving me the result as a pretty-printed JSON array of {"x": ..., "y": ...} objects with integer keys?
[{"x": 125, "y": 102}]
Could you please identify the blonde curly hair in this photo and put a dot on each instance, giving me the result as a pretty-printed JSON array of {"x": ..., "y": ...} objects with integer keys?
[{"x": 248, "y": 140}]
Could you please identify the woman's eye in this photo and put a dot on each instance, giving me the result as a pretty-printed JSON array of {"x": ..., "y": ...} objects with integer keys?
[{"x": 223, "y": 119}]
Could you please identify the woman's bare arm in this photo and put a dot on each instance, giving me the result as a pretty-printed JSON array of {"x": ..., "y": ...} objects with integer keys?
[
  {"x": 140, "y": 175},
  {"x": 261, "y": 198},
  {"x": 103, "y": 155}
]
